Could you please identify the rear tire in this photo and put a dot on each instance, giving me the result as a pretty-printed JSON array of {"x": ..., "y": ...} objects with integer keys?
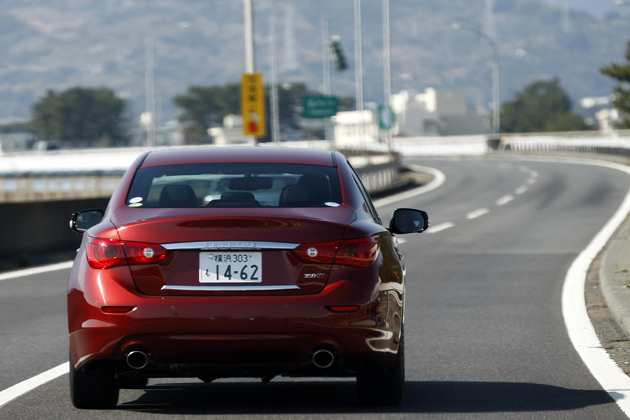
[
  {"x": 93, "y": 389},
  {"x": 381, "y": 385}
]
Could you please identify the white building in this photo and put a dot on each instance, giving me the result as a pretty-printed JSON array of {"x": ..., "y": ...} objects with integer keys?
[
  {"x": 431, "y": 113},
  {"x": 607, "y": 118},
  {"x": 14, "y": 142},
  {"x": 436, "y": 113},
  {"x": 355, "y": 127},
  {"x": 231, "y": 133}
]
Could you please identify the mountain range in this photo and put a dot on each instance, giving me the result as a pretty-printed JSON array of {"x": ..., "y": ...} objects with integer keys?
[{"x": 58, "y": 44}]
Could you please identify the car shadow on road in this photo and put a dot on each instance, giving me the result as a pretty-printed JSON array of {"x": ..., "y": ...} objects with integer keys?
[{"x": 340, "y": 397}]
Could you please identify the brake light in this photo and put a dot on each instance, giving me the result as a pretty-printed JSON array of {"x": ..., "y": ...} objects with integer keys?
[
  {"x": 358, "y": 252},
  {"x": 355, "y": 252},
  {"x": 106, "y": 253}
]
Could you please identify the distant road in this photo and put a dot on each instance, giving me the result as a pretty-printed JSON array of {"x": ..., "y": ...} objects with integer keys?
[{"x": 484, "y": 328}]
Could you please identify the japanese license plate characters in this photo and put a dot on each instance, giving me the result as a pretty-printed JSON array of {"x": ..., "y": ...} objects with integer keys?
[{"x": 230, "y": 267}]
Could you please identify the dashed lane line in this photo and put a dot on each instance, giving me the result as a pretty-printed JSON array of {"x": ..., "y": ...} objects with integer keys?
[
  {"x": 477, "y": 213},
  {"x": 440, "y": 227},
  {"x": 504, "y": 200}
]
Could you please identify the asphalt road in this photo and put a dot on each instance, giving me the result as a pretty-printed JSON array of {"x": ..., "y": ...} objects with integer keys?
[{"x": 485, "y": 336}]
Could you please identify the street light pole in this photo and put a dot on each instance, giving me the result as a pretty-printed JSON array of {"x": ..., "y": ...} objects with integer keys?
[
  {"x": 496, "y": 122},
  {"x": 149, "y": 117},
  {"x": 358, "y": 65},
  {"x": 250, "y": 65},
  {"x": 149, "y": 89},
  {"x": 387, "y": 69},
  {"x": 275, "y": 108}
]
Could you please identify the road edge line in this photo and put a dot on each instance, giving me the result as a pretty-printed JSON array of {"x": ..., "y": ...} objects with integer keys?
[
  {"x": 23, "y": 387},
  {"x": 436, "y": 182},
  {"x": 577, "y": 322},
  {"x": 35, "y": 270}
]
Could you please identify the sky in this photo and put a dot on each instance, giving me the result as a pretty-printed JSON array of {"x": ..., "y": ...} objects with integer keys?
[{"x": 596, "y": 7}]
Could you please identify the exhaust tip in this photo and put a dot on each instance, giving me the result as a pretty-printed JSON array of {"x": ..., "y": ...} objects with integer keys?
[
  {"x": 323, "y": 358},
  {"x": 137, "y": 359}
]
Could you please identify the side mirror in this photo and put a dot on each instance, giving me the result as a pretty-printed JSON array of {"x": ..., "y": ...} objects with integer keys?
[
  {"x": 408, "y": 221},
  {"x": 82, "y": 220}
]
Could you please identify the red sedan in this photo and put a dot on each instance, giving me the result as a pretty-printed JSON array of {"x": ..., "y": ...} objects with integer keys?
[{"x": 237, "y": 262}]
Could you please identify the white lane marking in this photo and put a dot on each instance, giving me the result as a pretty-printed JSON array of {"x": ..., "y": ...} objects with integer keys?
[
  {"x": 581, "y": 332},
  {"x": 440, "y": 227},
  {"x": 504, "y": 200},
  {"x": 476, "y": 213},
  {"x": 531, "y": 181},
  {"x": 35, "y": 270},
  {"x": 533, "y": 174},
  {"x": 401, "y": 240},
  {"x": 521, "y": 190},
  {"x": 23, "y": 387},
  {"x": 438, "y": 180}
]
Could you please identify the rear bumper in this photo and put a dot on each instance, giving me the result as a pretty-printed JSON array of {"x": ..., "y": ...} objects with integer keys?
[{"x": 235, "y": 331}]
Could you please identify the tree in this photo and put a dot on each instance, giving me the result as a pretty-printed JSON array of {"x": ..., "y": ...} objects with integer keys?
[
  {"x": 621, "y": 73},
  {"x": 206, "y": 106},
  {"x": 80, "y": 114},
  {"x": 541, "y": 106}
]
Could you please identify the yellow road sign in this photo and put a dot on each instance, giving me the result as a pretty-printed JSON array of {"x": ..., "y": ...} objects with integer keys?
[{"x": 253, "y": 105}]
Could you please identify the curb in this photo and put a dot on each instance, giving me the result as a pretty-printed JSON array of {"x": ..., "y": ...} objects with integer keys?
[{"x": 614, "y": 276}]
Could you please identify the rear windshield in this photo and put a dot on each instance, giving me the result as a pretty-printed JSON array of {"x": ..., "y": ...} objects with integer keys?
[{"x": 235, "y": 185}]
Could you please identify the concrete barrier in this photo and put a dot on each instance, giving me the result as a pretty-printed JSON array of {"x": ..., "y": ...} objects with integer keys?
[{"x": 38, "y": 231}]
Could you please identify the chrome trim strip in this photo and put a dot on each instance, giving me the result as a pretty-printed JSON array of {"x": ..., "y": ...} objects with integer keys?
[
  {"x": 240, "y": 245},
  {"x": 230, "y": 288}
]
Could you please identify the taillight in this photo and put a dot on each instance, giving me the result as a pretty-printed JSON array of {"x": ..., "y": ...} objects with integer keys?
[
  {"x": 140, "y": 253},
  {"x": 106, "y": 253},
  {"x": 358, "y": 252},
  {"x": 323, "y": 252},
  {"x": 355, "y": 252}
]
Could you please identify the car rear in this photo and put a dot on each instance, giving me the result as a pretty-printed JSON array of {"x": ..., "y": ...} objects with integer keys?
[{"x": 246, "y": 268}]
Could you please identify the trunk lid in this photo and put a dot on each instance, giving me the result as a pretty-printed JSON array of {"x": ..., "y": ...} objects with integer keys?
[{"x": 248, "y": 252}]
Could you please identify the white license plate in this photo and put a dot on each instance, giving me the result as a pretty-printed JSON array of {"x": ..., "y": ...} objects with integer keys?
[{"x": 230, "y": 267}]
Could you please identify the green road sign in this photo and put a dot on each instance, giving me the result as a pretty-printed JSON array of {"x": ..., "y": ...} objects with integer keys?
[
  {"x": 386, "y": 118},
  {"x": 319, "y": 106}
]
